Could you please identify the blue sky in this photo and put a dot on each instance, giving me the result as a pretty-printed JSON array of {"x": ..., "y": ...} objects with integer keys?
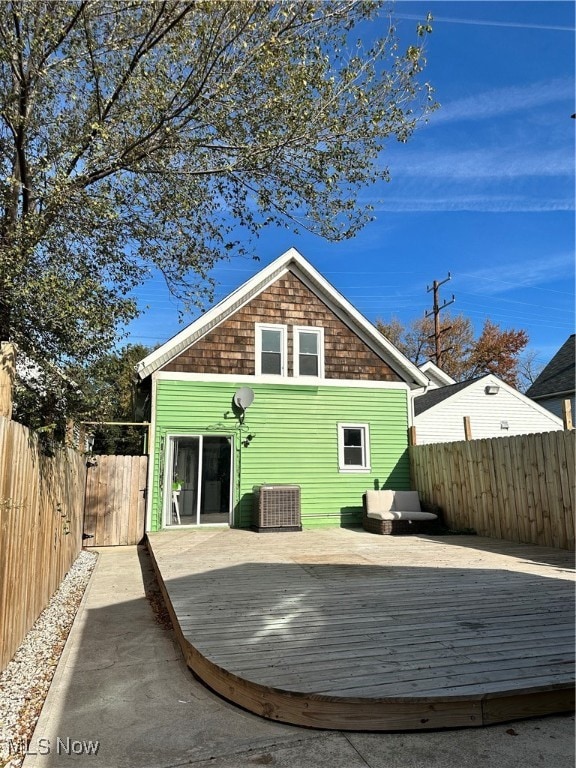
[{"x": 484, "y": 191}]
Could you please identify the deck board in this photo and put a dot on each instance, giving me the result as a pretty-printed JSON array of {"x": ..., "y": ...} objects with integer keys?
[{"x": 344, "y": 629}]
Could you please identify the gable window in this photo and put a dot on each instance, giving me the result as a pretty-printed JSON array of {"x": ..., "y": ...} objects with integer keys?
[
  {"x": 354, "y": 447},
  {"x": 271, "y": 352},
  {"x": 308, "y": 351}
]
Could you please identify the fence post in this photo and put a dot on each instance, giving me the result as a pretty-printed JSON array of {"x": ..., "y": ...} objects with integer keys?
[
  {"x": 467, "y": 428},
  {"x": 7, "y": 372},
  {"x": 412, "y": 436},
  {"x": 567, "y": 414},
  {"x": 69, "y": 438}
]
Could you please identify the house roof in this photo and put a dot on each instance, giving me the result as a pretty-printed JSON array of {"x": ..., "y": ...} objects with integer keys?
[
  {"x": 434, "y": 396},
  {"x": 558, "y": 376},
  {"x": 436, "y": 374},
  {"x": 291, "y": 261}
]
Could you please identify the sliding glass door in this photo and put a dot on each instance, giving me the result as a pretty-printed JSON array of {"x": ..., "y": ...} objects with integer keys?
[{"x": 198, "y": 480}]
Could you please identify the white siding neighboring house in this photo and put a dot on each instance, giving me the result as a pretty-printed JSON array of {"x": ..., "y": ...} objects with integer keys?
[{"x": 495, "y": 410}]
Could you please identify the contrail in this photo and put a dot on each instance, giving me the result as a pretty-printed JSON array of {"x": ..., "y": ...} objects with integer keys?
[{"x": 484, "y": 23}]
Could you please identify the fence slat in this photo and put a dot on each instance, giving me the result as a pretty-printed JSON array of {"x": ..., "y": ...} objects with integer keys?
[{"x": 519, "y": 488}]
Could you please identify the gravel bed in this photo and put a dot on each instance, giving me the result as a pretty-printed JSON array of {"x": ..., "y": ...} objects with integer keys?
[{"x": 26, "y": 680}]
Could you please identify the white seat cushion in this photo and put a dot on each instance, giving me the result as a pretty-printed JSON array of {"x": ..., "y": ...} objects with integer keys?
[
  {"x": 379, "y": 501},
  {"x": 401, "y": 515}
]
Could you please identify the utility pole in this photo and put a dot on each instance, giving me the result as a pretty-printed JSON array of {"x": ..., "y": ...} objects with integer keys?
[{"x": 436, "y": 309}]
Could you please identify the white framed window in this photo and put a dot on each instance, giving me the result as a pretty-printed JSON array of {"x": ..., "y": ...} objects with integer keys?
[
  {"x": 271, "y": 349},
  {"x": 308, "y": 351},
  {"x": 354, "y": 447}
]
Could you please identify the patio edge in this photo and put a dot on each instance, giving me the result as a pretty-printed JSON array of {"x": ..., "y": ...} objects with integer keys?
[{"x": 363, "y": 714}]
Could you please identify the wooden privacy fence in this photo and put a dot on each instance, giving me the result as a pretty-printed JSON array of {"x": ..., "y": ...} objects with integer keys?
[
  {"x": 115, "y": 500},
  {"x": 41, "y": 511},
  {"x": 519, "y": 488}
]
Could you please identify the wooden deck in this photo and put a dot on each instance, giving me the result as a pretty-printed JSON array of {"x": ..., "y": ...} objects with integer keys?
[{"x": 348, "y": 630}]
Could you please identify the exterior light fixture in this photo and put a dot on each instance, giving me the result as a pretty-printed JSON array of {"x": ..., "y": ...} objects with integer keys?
[{"x": 492, "y": 389}]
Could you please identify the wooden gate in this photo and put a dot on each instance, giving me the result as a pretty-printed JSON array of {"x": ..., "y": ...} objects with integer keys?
[{"x": 115, "y": 507}]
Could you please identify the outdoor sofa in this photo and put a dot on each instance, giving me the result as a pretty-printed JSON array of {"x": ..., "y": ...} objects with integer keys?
[{"x": 394, "y": 512}]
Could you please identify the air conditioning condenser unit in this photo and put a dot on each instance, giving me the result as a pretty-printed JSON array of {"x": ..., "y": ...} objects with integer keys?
[{"x": 277, "y": 508}]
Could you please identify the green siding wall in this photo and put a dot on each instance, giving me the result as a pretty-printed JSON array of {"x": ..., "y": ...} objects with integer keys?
[{"x": 294, "y": 440}]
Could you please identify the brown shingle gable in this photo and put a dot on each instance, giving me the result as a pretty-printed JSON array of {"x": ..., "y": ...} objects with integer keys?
[{"x": 230, "y": 347}]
